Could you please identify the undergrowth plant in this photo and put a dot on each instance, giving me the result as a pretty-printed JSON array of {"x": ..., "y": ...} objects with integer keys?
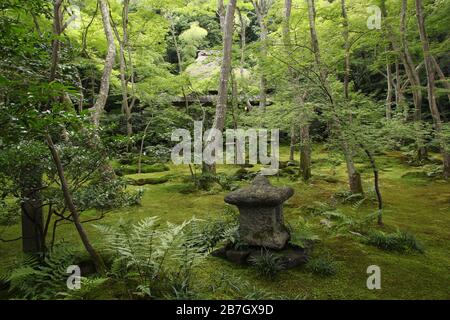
[
  {"x": 400, "y": 241},
  {"x": 161, "y": 259},
  {"x": 267, "y": 263}
]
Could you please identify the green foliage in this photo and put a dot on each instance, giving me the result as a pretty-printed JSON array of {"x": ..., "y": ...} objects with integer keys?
[
  {"x": 162, "y": 259},
  {"x": 33, "y": 279},
  {"x": 399, "y": 241},
  {"x": 323, "y": 265},
  {"x": 302, "y": 233},
  {"x": 267, "y": 263},
  {"x": 209, "y": 233}
]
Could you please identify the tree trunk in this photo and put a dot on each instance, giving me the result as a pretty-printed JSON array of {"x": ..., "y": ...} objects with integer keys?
[
  {"x": 221, "y": 14},
  {"x": 389, "y": 92},
  {"x": 222, "y": 96},
  {"x": 353, "y": 175},
  {"x": 123, "y": 44},
  {"x": 292, "y": 146},
  {"x": 347, "y": 49},
  {"x": 243, "y": 42},
  {"x": 442, "y": 77},
  {"x": 410, "y": 69},
  {"x": 100, "y": 103},
  {"x": 99, "y": 264},
  {"x": 33, "y": 241},
  {"x": 305, "y": 152},
  {"x": 261, "y": 11},
  {"x": 376, "y": 185},
  {"x": 429, "y": 68},
  {"x": 305, "y": 143}
]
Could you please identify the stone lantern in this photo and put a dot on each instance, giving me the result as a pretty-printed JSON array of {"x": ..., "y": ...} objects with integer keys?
[{"x": 261, "y": 221}]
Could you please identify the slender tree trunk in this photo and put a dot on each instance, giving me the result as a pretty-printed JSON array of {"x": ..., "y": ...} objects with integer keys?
[
  {"x": 410, "y": 69},
  {"x": 33, "y": 241},
  {"x": 100, "y": 103},
  {"x": 376, "y": 185},
  {"x": 261, "y": 11},
  {"x": 305, "y": 143},
  {"x": 99, "y": 264},
  {"x": 57, "y": 29},
  {"x": 292, "y": 146},
  {"x": 389, "y": 92},
  {"x": 399, "y": 96},
  {"x": 123, "y": 44},
  {"x": 429, "y": 68},
  {"x": 221, "y": 14},
  {"x": 347, "y": 49},
  {"x": 414, "y": 80},
  {"x": 441, "y": 75},
  {"x": 305, "y": 152},
  {"x": 243, "y": 41},
  {"x": 353, "y": 175},
  {"x": 222, "y": 96}
]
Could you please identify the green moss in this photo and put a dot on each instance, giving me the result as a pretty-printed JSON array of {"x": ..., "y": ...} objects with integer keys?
[{"x": 419, "y": 206}]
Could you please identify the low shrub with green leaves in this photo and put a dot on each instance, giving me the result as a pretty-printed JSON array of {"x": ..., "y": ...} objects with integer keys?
[
  {"x": 267, "y": 263},
  {"x": 399, "y": 241},
  {"x": 323, "y": 265}
]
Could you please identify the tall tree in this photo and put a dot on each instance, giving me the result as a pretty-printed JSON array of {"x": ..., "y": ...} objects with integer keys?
[
  {"x": 353, "y": 175},
  {"x": 299, "y": 99},
  {"x": 262, "y": 8},
  {"x": 222, "y": 96},
  {"x": 99, "y": 106},
  {"x": 123, "y": 47},
  {"x": 431, "y": 87}
]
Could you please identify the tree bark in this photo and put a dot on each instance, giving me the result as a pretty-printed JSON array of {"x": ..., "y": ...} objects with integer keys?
[
  {"x": 222, "y": 96},
  {"x": 243, "y": 41},
  {"x": 123, "y": 44},
  {"x": 261, "y": 9},
  {"x": 305, "y": 143},
  {"x": 430, "y": 71},
  {"x": 347, "y": 49},
  {"x": 100, "y": 103},
  {"x": 376, "y": 185},
  {"x": 221, "y": 14},
  {"x": 389, "y": 92},
  {"x": 99, "y": 264},
  {"x": 292, "y": 145},
  {"x": 33, "y": 241},
  {"x": 305, "y": 152},
  {"x": 441, "y": 75}
]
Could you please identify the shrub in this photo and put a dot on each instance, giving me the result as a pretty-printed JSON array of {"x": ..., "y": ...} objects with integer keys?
[
  {"x": 323, "y": 265},
  {"x": 267, "y": 264},
  {"x": 399, "y": 241}
]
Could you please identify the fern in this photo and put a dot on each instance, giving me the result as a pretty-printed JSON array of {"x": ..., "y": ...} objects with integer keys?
[
  {"x": 161, "y": 258},
  {"x": 31, "y": 279}
]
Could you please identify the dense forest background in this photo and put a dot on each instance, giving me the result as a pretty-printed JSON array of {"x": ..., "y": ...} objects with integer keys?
[{"x": 91, "y": 91}]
